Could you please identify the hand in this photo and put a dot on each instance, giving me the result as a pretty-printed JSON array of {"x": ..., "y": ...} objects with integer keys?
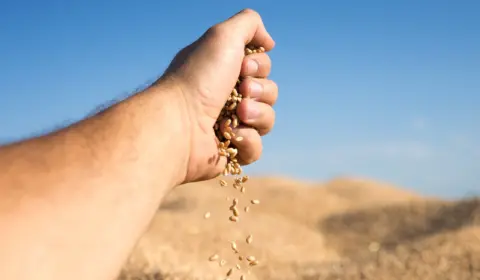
[{"x": 206, "y": 72}]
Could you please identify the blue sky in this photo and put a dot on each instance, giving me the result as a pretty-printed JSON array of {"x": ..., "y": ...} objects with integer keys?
[{"x": 388, "y": 90}]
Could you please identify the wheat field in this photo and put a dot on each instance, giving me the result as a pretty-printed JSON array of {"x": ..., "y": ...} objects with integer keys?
[{"x": 342, "y": 229}]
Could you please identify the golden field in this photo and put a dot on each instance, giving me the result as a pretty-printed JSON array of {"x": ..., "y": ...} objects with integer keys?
[{"x": 341, "y": 229}]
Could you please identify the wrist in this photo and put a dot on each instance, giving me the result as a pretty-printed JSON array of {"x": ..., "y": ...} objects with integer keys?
[
  {"x": 172, "y": 117},
  {"x": 158, "y": 116}
]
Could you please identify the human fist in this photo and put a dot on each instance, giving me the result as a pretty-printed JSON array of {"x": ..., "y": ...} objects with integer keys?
[{"x": 205, "y": 73}]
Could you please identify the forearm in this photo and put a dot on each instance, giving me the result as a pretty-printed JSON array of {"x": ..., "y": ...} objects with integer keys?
[{"x": 73, "y": 203}]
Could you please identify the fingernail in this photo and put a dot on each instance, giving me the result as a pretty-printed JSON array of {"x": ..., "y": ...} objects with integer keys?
[
  {"x": 256, "y": 89},
  {"x": 253, "y": 110},
  {"x": 252, "y": 66}
]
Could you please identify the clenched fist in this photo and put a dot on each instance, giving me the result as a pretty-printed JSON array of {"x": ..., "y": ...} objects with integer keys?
[{"x": 205, "y": 73}]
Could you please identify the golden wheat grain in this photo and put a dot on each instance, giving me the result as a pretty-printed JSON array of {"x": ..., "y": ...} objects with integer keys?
[
  {"x": 224, "y": 130},
  {"x": 235, "y": 211},
  {"x": 233, "y": 245},
  {"x": 213, "y": 257}
]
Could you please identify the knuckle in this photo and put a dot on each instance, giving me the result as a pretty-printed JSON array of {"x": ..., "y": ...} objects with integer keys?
[
  {"x": 251, "y": 148},
  {"x": 266, "y": 63},
  {"x": 274, "y": 92},
  {"x": 268, "y": 60},
  {"x": 274, "y": 87},
  {"x": 273, "y": 118},
  {"x": 216, "y": 31},
  {"x": 250, "y": 11},
  {"x": 254, "y": 155},
  {"x": 258, "y": 153},
  {"x": 269, "y": 125}
]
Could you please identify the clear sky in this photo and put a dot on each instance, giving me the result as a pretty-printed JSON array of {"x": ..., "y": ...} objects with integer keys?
[{"x": 388, "y": 90}]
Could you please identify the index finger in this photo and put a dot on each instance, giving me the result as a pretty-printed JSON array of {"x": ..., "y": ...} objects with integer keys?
[{"x": 250, "y": 25}]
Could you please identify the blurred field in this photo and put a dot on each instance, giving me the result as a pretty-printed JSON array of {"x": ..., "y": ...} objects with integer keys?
[{"x": 344, "y": 229}]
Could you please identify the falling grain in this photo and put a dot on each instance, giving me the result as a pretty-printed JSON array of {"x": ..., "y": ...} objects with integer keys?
[
  {"x": 213, "y": 257},
  {"x": 235, "y": 211},
  {"x": 223, "y": 128},
  {"x": 234, "y": 246}
]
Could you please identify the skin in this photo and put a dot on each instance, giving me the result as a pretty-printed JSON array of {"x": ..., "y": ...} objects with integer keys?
[{"x": 74, "y": 202}]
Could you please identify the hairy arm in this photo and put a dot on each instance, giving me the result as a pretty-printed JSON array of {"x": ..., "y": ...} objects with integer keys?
[{"x": 74, "y": 202}]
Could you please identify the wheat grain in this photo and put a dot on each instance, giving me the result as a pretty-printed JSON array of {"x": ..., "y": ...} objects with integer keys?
[
  {"x": 224, "y": 127},
  {"x": 234, "y": 246},
  {"x": 227, "y": 135},
  {"x": 213, "y": 257},
  {"x": 235, "y": 211}
]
